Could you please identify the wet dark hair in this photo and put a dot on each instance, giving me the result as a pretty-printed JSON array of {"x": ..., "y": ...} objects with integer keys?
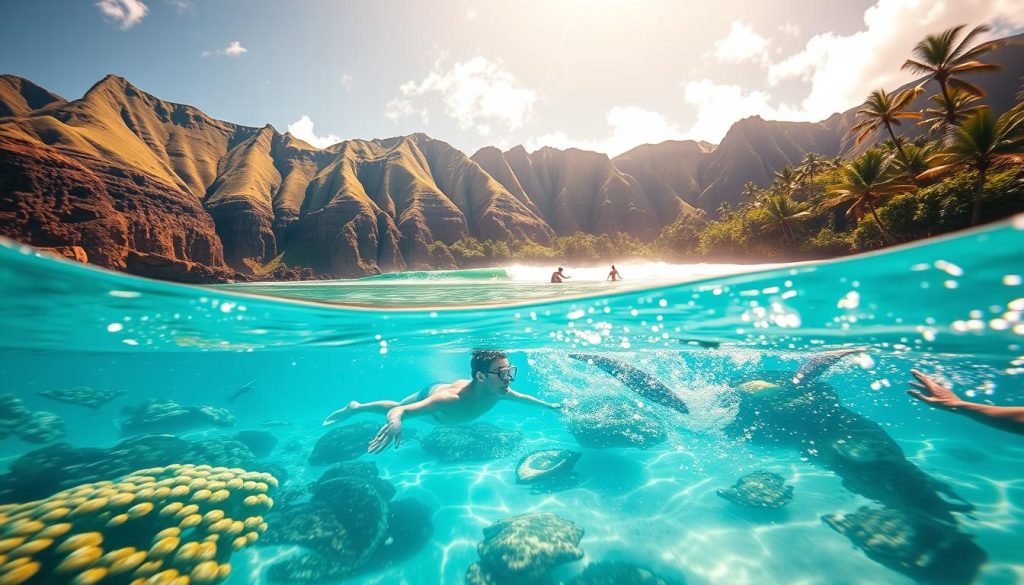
[{"x": 482, "y": 359}]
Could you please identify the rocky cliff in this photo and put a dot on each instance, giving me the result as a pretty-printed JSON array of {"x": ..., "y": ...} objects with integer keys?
[{"x": 161, "y": 189}]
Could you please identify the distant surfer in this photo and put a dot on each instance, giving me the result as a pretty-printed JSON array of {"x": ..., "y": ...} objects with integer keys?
[
  {"x": 453, "y": 403},
  {"x": 614, "y": 274},
  {"x": 558, "y": 275}
]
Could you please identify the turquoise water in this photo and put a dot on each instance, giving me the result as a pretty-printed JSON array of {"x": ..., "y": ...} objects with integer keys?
[{"x": 951, "y": 306}]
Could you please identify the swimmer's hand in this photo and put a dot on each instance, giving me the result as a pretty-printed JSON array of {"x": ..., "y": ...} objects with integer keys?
[
  {"x": 390, "y": 432},
  {"x": 932, "y": 392}
]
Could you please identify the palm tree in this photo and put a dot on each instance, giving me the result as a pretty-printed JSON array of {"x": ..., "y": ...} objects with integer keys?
[
  {"x": 812, "y": 163},
  {"x": 944, "y": 59},
  {"x": 915, "y": 161},
  {"x": 784, "y": 179},
  {"x": 981, "y": 142},
  {"x": 784, "y": 216},
  {"x": 883, "y": 109},
  {"x": 958, "y": 108},
  {"x": 750, "y": 191},
  {"x": 864, "y": 183}
]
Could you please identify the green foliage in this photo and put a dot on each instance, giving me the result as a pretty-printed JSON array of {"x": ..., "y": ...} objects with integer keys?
[
  {"x": 468, "y": 252},
  {"x": 575, "y": 247},
  {"x": 441, "y": 256},
  {"x": 681, "y": 238},
  {"x": 827, "y": 241}
]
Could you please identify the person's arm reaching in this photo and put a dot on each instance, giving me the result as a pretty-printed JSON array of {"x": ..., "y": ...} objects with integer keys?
[
  {"x": 1006, "y": 418},
  {"x": 392, "y": 430},
  {"x": 527, "y": 399}
]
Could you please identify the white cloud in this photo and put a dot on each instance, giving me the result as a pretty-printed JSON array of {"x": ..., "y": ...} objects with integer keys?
[
  {"x": 127, "y": 13},
  {"x": 346, "y": 81},
  {"x": 303, "y": 130},
  {"x": 719, "y": 106},
  {"x": 474, "y": 93},
  {"x": 235, "y": 49},
  {"x": 742, "y": 44},
  {"x": 790, "y": 29},
  {"x": 182, "y": 6},
  {"x": 399, "y": 108},
  {"x": 629, "y": 126},
  {"x": 842, "y": 70}
]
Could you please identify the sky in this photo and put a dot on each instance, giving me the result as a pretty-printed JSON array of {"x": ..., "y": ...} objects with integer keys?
[{"x": 604, "y": 75}]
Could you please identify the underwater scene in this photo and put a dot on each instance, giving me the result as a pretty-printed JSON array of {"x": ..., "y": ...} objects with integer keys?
[{"x": 689, "y": 424}]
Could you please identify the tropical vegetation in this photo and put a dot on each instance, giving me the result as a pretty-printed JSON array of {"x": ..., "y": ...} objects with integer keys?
[{"x": 967, "y": 167}]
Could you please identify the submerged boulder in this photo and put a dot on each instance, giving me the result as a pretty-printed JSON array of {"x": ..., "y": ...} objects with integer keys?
[
  {"x": 344, "y": 523},
  {"x": 166, "y": 416},
  {"x": 261, "y": 443},
  {"x": 348, "y": 527},
  {"x": 916, "y": 545},
  {"x": 525, "y": 548},
  {"x": 343, "y": 443},
  {"x": 364, "y": 470},
  {"x": 473, "y": 442},
  {"x": 545, "y": 465},
  {"x": 410, "y": 527},
  {"x": 616, "y": 424},
  {"x": 761, "y": 489}
]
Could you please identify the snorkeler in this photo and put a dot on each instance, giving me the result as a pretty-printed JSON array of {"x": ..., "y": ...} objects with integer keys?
[
  {"x": 558, "y": 275},
  {"x": 614, "y": 274},
  {"x": 455, "y": 403},
  {"x": 1004, "y": 418}
]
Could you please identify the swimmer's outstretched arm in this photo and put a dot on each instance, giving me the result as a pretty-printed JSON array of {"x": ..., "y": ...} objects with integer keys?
[
  {"x": 392, "y": 430},
  {"x": 1006, "y": 418},
  {"x": 527, "y": 399}
]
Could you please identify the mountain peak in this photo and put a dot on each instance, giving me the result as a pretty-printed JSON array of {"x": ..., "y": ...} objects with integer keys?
[{"x": 20, "y": 96}]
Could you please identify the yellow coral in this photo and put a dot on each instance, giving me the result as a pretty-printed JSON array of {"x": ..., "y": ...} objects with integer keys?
[
  {"x": 60, "y": 540},
  {"x": 19, "y": 574}
]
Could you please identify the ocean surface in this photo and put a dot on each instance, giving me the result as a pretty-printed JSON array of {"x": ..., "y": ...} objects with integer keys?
[{"x": 868, "y": 485}]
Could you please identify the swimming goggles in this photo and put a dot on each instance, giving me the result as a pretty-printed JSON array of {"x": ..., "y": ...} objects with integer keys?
[{"x": 505, "y": 374}]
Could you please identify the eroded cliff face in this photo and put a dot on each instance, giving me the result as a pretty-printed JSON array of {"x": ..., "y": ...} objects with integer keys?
[{"x": 114, "y": 213}]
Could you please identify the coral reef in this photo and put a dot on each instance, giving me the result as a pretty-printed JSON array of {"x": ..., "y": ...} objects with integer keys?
[
  {"x": 761, "y": 489},
  {"x": 472, "y": 442},
  {"x": 166, "y": 416},
  {"x": 33, "y": 427},
  {"x": 926, "y": 549},
  {"x": 524, "y": 548},
  {"x": 161, "y": 524},
  {"x": 83, "y": 396},
  {"x": 48, "y": 470}
]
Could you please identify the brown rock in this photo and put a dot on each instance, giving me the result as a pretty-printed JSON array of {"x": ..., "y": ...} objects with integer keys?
[{"x": 76, "y": 253}]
